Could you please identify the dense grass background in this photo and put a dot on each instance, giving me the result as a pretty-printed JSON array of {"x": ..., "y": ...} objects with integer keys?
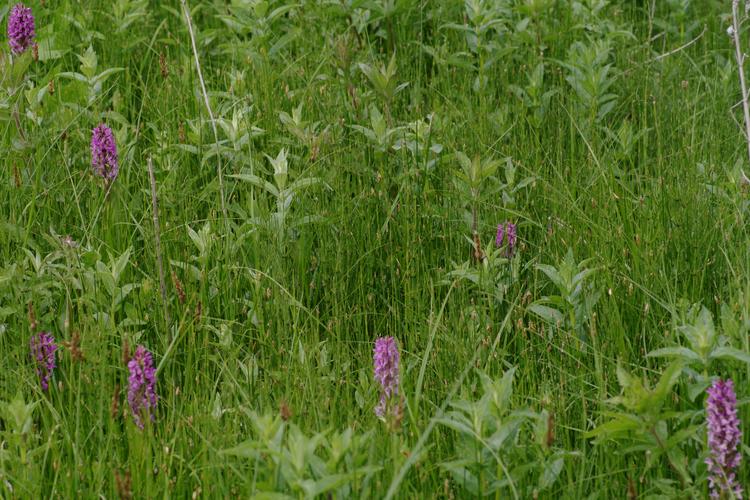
[{"x": 274, "y": 318}]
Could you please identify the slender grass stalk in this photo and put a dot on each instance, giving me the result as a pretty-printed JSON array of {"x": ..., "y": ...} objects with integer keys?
[
  {"x": 219, "y": 169},
  {"x": 157, "y": 243}
]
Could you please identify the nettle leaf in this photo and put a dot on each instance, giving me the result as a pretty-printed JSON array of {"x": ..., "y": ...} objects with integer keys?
[
  {"x": 730, "y": 353},
  {"x": 552, "y": 469},
  {"x": 548, "y": 314},
  {"x": 621, "y": 423},
  {"x": 499, "y": 391},
  {"x": 668, "y": 379},
  {"x": 462, "y": 426},
  {"x": 258, "y": 182},
  {"x": 698, "y": 388},
  {"x": 675, "y": 352},
  {"x": 701, "y": 335}
]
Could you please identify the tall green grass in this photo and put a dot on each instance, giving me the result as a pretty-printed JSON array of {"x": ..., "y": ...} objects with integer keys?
[{"x": 289, "y": 319}]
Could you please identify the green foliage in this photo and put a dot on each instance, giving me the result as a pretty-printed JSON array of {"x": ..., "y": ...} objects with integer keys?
[
  {"x": 705, "y": 347},
  {"x": 369, "y": 150},
  {"x": 285, "y": 460},
  {"x": 495, "y": 453},
  {"x": 577, "y": 296},
  {"x": 647, "y": 427}
]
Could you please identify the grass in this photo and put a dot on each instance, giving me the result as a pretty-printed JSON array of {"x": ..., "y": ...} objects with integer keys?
[{"x": 272, "y": 317}]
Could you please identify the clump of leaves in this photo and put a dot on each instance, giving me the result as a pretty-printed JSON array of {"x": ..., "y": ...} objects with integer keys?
[
  {"x": 287, "y": 460},
  {"x": 592, "y": 77},
  {"x": 383, "y": 81},
  {"x": 282, "y": 222},
  {"x": 534, "y": 97},
  {"x": 704, "y": 347},
  {"x": 644, "y": 422},
  {"x": 495, "y": 455},
  {"x": 471, "y": 182},
  {"x": 577, "y": 295}
]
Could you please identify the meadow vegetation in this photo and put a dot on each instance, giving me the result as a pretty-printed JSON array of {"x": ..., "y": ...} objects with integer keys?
[{"x": 212, "y": 210}]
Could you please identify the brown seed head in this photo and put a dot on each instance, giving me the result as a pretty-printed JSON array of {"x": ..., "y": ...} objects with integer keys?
[
  {"x": 114, "y": 408},
  {"x": 163, "y": 65},
  {"x": 124, "y": 485},
  {"x": 32, "y": 318},
  {"x": 125, "y": 352},
  {"x": 285, "y": 411},
  {"x": 178, "y": 287},
  {"x": 74, "y": 346}
]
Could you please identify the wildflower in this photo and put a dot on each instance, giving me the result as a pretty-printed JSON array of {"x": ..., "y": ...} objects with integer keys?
[
  {"x": 20, "y": 29},
  {"x": 510, "y": 228},
  {"x": 507, "y": 230},
  {"x": 142, "y": 385},
  {"x": 43, "y": 349},
  {"x": 385, "y": 359},
  {"x": 500, "y": 236},
  {"x": 104, "y": 152},
  {"x": 723, "y": 439}
]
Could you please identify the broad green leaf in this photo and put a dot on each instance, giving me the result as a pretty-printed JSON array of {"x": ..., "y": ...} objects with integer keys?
[
  {"x": 547, "y": 313},
  {"x": 622, "y": 423},
  {"x": 730, "y": 353},
  {"x": 675, "y": 352},
  {"x": 258, "y": 182},
  {"x": 551, "y": 472}
]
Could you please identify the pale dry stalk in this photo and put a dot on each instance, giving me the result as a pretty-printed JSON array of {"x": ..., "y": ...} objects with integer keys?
[{"x": 189, "y": 22}]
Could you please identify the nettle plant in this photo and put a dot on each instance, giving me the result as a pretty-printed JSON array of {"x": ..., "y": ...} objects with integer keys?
[
  {"x": 87, "y": 282},
  {"x": 287, "y": 461},
  {"x": 498, "y": 447},
  {"x": 592, "y": 76},
  {"x": 92, "y": 80},
  {"x": 475, "y": 182},
  {"x": 383, "y": 80},
  {"x": 492, "y": 279},
  {"x": 203, "y": 273},
  {"x": 642, "y": 421},
  {"x": 283, "y": 223},
  {"x": 417, "y": 139},
  {"x": 472, "y": 182},
  {"x": 239, "y": 132},
  {"x": 483, "y": 31},
  {"x": 705, "y": 346},
  {"x": 381, "y": 137},
  {"x": 534, "y": 97},
  {"x": 571, "y": 308},
  {"x": 259, "y": 27},
  {"x": 728, "y": 187},
  {"x": 21, "y": 442},
  {"x": 305, "y": 131}
]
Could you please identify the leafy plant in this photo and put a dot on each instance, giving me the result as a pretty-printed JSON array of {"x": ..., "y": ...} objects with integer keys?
[
  {"x": 379, "y": 134},
  {"x": 486, "y": 25},
  {"x": 572, "y": 307},
  {"x": 279, "y": 222},
  {"x": 495, "y": 455},
  {"x": 259, "y": 27},
  {"x": 493, "y": 278},
  {"x": 705, "y": 346},
  {"x": 591, "y": 76},
  {"x": 471, "y": 181},
  {"x": 89, "y": 77},
  {"x": 534, "y": 97},
  {"x": 647, "y": 425},
  {"x": 383, "y": 81},
  {"x": 308, "y": 466}
]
